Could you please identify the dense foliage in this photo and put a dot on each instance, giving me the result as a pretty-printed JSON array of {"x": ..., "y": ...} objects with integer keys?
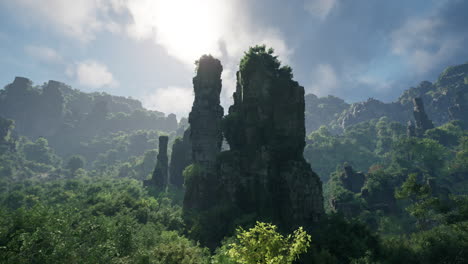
[{"x": 72, "y": 166}]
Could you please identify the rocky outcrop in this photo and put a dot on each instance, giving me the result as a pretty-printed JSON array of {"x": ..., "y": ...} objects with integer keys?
[
  {"x": 159, "y": 179},
  {"x": 322, "y": 110},
  {"x": 21, "y": 83},
  {"x": 264, "y": 173},
  {"x": 182, "y": 127},
  {"x": 181, "y": 157},
  {"x": 410, "y": 129},
  {"x": 206, "y": 115},
  {"x": 352, "y": 180},
  {"x": 372, "y": 109},
  {"x": 352, "y": 192},
  {"x": 206, "y": 138},
  {"x": 439, "y": 98},
  {"x": 459, "y": 111},
  {"x": 263, "y": 176},
  {"x": 7, "y": 140},
  {"x": 422, "y": 122},
  {"x": 52, "y": 108},
  {"x": 171, "y": 122}
]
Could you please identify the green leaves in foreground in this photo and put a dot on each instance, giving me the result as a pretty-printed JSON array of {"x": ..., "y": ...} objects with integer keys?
[{"x": 262, "y": 244}]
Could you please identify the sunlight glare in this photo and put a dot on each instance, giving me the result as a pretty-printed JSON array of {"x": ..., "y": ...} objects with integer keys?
[{"x": 190, "y": 28}]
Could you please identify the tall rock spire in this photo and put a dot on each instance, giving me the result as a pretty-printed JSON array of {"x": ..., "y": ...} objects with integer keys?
[
  {"x": 181, "y": 157},
  {"x": 207, "y": 113},
  {"x": 206, "y": 139},
  {"x": 266, "y": 132},
  {"x": 422, "y": 123},
  {"x": 264, "y": 175},
  {"x": 160, "y": 172}
]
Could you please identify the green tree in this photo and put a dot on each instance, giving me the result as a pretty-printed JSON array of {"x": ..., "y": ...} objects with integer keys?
[
  {"x": 75, "y": 162},
  {"x": 262, "y": 244},
  {"x": 40, "y": 152},
  {"x": 422, "y": 202},
  {"x": 420, "y": 155}
]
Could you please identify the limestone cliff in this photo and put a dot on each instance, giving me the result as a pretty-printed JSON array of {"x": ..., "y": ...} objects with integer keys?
[
  {"x": 206, "y": 137},
  {"x": 181, "y": 157},
  {"x": 422, "y": 122},
  {"x": 264, "y": 175},
  {"x": 159, "y": 178}
]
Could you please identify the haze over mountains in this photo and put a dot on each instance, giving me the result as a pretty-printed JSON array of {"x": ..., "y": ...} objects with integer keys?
[
  {"x": 28, "y": 104},
  {"x": 370, "y": 181}
]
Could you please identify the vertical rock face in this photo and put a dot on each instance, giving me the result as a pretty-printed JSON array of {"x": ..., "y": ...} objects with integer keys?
[
  {"x": 206, "y": 115},
  {"x": 53, "y": 106},
  {"x": 181, "y": 157},
  {"x": 410, "y": 129},
  {"x": 265, "y": 130},
  {"x": 160, "y": 178},
  {"x": 206, "y": 138},
  {"x": 459, "y": 111},
  {"x": 422, "y": 121},
  {"x": 264, "y": 175},
  {"x": 352, "y": 180},
  {"x": 171, "y": 122},
  {"x": 21, "y": 97},
  {"x": 7, "y": 142},
  {"x": 21, "y": 82}
]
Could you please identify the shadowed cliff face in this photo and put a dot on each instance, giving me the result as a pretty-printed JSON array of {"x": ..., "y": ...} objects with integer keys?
[
  {"x": 205, "y": 117},
  {"x": 160, "y": 178},
  {"x": 264, "y": 175},
  {"x": 181, "y": 157},
  {"x": 206, "y": 139},
  {"x": 422, "y": 121}
]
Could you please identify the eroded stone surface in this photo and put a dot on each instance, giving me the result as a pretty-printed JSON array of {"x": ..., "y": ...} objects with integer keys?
[
  {"x": 181, "y": 157},
  {"x": 160, "y": 172},
  {"x": 422, "y": 122},
  {"x": 263, "y": 176}
]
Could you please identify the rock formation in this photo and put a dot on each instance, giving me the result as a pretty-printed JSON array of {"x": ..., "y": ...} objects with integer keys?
[
  {"x": 352, "y": 180},
  {"x": 347, "y": 200},
  {"x": 410, "y": 129},
  {"x": 264, "y": 175},
  {"x": 459, "y": 111},
  {"x": 371, "y": 109},
  {"x": 205, "y": 135},
  {"x": 7, "y": 142},
  {"x": 181, "y": 157},
  {"x": 171, "y": 122},
  {"x": 206, "y": 115},
  {"x": 160, "y": 178},
  {"x": 422, "y": 122},
  {"x": 322, "y": 110}
]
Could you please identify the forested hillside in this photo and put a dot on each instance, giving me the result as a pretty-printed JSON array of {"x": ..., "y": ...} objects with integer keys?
[
  {"x": 279, "y": 177},
  {"x": 441, "y": 100}
]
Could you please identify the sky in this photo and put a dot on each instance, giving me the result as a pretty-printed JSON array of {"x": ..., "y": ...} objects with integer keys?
[{"x": 146, "y": 49}]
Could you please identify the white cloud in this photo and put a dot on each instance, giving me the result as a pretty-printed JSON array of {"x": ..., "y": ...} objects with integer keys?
[
  {"x": 425, "y": 60},
  {"x": 200, "y": 27},
  {"x": 44, "y": 54},
  {"x": 419, "y": 41},
  {"x": 374, "y": 83},
  {"x": 79, "y": 19},
  {"x": 320, "y": 8},
  {"x": 92, "y": 74},
  {"x": 175, "y": 100},
  {"x": 324, "y": 80},
  {"x": 186, "y": 29},
  {"x": 414, "y": 34}
]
